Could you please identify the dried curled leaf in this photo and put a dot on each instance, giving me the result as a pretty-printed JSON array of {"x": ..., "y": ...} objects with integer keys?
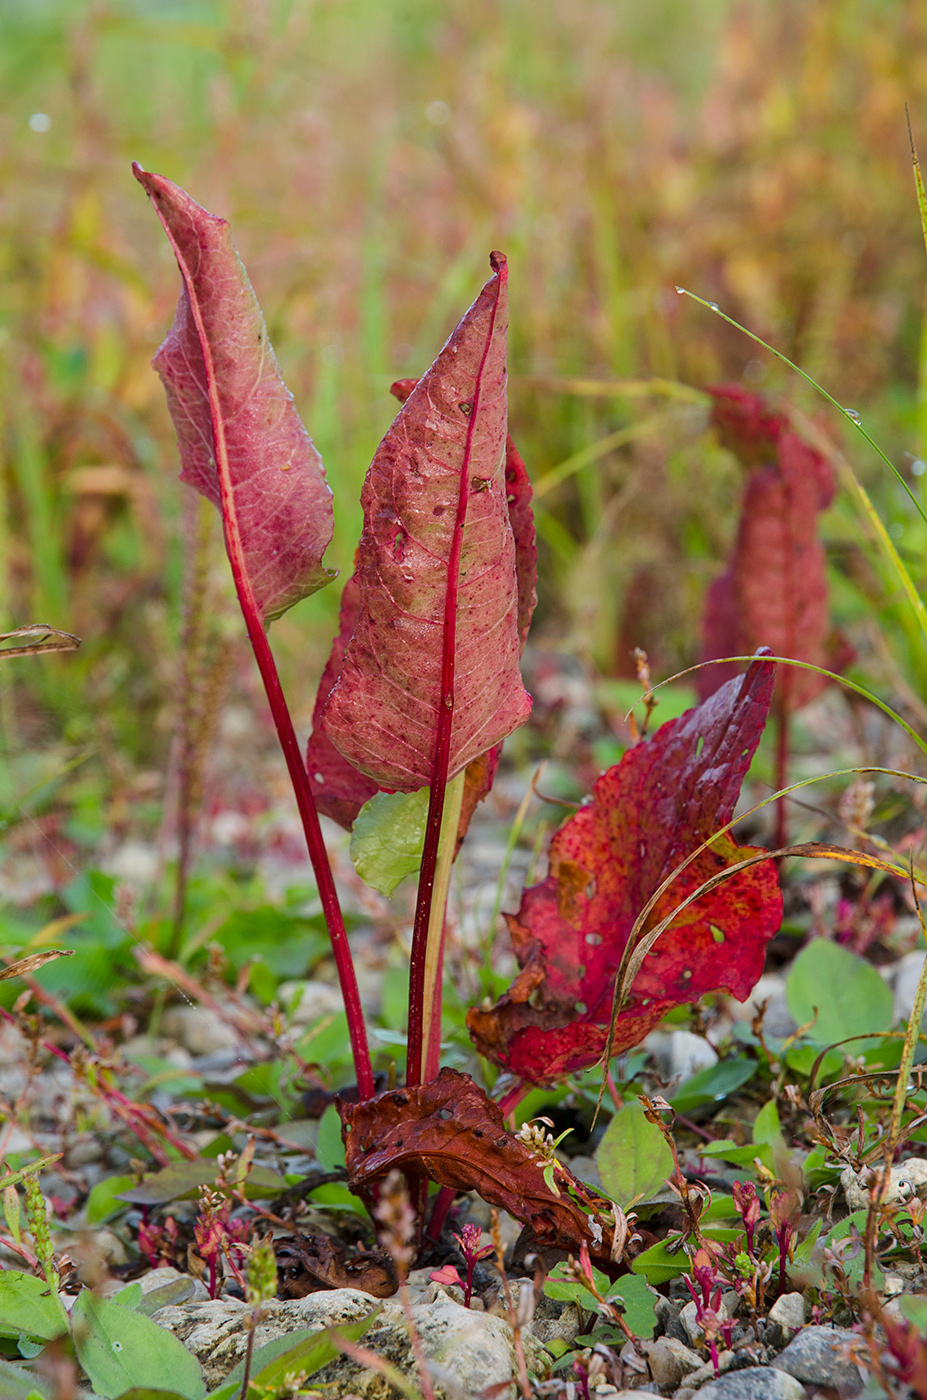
[{"x": 452, "y": 1132}]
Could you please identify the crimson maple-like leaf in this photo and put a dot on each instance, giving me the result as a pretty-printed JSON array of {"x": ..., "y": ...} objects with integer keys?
[
  {"x": 452, "y": 1132},
  {"x": 648, "y": 813},
  {"x": 242, "y": 444},
  {"x": 774, "y": 591},
  {"x": 437, "y": 560}
]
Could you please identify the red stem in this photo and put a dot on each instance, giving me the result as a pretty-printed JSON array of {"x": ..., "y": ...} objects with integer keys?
[
  {"x": 299, "y": 778},
  {"x": 442, "y": 748}
]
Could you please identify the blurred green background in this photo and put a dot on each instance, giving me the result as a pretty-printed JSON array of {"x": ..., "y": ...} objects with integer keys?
[{"x": 369, "y": 154}]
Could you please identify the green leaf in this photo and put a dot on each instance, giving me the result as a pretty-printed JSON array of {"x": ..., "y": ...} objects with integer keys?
[
  {"x": 145, "y": 1392},
  {"x": 668, "y": 1259},
  {"x": 307, "y": 1350},
  {"x": 913, "y": 1306},
  {"x": 185, "y": 1178},
  {"x": 633, "y": 1158},
  {"x": 178, "y": 1290},
  {"x": 130, "y": 1296},
  {"x": 563, "y": 1289},
  {"x": 119, "y": 1349},
  {"x": 739, "y": 1156},
  {"x": 330, "y": 1149},
  {"x": 639, "y": 1303},
  {"x": 766, "y": 1126},
  {"x": 844, "y": 992},
  {"x": 103, "y": 1202},
  {"x": 854, "y": 1264},
  {"x": 388, "y": 836},
  {"x": 27, "y": 1304},
  {"x": 712, "y": 1085},
  {"x": 17, "y": 1384}
]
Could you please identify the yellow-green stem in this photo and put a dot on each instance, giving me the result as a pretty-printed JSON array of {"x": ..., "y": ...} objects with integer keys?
[{"x": 434, "y": 946}]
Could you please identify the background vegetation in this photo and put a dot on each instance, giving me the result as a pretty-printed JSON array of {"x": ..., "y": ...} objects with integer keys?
[{"x": 368, "y": 156}]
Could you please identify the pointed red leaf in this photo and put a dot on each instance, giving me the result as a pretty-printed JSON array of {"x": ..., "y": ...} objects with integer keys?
[
  {"x": 454, "y": 1133},
  {"x": 648, "y": 813},
  {"x": 436, "y": 559},
  {"x": 519, "y": 492},
  {"x": 241, "y": 441},
  {"x": 774, "y": 592}
]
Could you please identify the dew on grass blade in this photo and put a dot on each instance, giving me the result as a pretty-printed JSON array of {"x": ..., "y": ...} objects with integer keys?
[
  {"x": 681, "y": 291},
  {"x": 852, "y": 413},
  {"x": 713, "y": 306},
  {"x": 918, "y": 467}
]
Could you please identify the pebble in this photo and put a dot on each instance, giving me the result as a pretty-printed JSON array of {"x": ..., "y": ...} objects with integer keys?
[
  {"x": 198, "y": 1029},
  {"x": 786, "y": 1317},
  {"x": 688, "y": 1319},
  {"x": 907, "y": 1179},
  {"x": 754, "y": 1383},
  {"x": 907, "y": 975},
  {"x": 778, "y": 1021},
  {"x": 308, "y": 1002},
  {"x": 823, "y": 1356},
  {"x": 680, "y": 1054},
  {"x": 670, "y": 1360}
]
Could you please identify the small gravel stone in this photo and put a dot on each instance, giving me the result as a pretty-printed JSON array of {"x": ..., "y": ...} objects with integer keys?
[
  {"x": 906, "y": 1180},
  {"x": 786, "y": 1317},
  {"x": 689, "y": 1321},
  {"x": 907, "y": 975},
  {"x": 754, "y": 1383},
  {"x": 310, "y": 1001},
  {"x": 668, "y": 1312},
  {"x": 199, "y": 1030},
  {"x": 680, "y": 1054},
  {"x": 823, "y": 1356},
  {"x": 670, "y": 1360}
]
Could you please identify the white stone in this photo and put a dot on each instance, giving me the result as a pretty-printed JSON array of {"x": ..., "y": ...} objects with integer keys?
[
  {"x": 310, "y": 1001},
  {"x": 680, "y": 1054},
  {"x": 787, "y": 1316},
  {"x": 907, "y": 975},
  {"x": 690, "y": 1326}
]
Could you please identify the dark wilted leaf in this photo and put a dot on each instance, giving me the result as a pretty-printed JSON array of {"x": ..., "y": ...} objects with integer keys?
[
  {"x": 36, "y": 638},
  {"x": 436, "y": 562},
  {"x": 774, "y": 592},
  {"x": 648, "y": 813},
  {"x": 451, "y": 1131},
  {"x": 24, "y": 966},
  {"x": 241, "y": 441}
]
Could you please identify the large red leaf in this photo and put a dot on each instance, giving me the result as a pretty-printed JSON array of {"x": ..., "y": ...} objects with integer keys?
[
  {"x": 650, "y": 811},
  {"x": 774, "y": 592},
  {"x": 450, "y": 1130},
  {"x": 437, "y": 559},
  {"x": 241, "y": 441}
]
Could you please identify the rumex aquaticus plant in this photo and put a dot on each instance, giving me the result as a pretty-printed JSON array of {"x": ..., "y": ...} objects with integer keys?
[{"x": 422, "y": 686}]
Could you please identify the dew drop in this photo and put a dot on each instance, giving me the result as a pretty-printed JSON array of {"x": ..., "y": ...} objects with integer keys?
[
  {"x": 918, "y": 467},
  {"x": 852, "y": 413},
  {"x": 681, "y": 291},
  {"x": 713, "y": 306}
]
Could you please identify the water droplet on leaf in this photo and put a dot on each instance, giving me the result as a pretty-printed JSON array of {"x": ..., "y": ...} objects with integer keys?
[
  {"x": 713, "y": 306},
  {"x": 852, "y": 413}
]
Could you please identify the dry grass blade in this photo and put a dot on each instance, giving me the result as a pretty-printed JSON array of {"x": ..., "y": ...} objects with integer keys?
[
  {"x": 25, "y": 966},
  {"x": 44, "y": 638}
]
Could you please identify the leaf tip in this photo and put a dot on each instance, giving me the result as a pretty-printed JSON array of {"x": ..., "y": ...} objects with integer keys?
[{"x": 499, "y": 263}]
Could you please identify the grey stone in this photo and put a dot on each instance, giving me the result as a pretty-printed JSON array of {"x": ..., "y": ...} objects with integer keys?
[
  {"x": 823, "y": 1356},
  {"x": 670, "y": 1360},
  {"x": 786, "y": 1317},
  {"x": 465, "y": 1350},
  {"x": 198, "y": 1029},
  {"x": 778, "y": 1021},
  {"x": 754, "y": 1383},
  {"x": 310, "y": 1001},
  {"x": 688, "y": 1319},
  {"x": 906, "y": 1180},
  {"x": 680, "y": 1054}
]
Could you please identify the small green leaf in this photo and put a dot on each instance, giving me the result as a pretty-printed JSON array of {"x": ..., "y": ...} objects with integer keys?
[
  {"x": 388, "y": 836},
  {"x": 633, "y": 1158},
  {"x": 563, "y": 1289},
  {"x": 130, "y": 1296},
  {"x": 639, "y": 1303},
  {"x": 913, "y": 1306},
  {"x": 712, "y": 1085},
  {"x": 103, "y": 1202},
  {"x": 119, "y": 1349},
  {"x": 27, "y": 1304},
  {"x": 766, "y": 1126},
  {"x": 739, "y": 1156},
  {"x": 329, "y": 1148},
  {"x": 178, "y": 1290},
  {"x": 844, "y": 993}
]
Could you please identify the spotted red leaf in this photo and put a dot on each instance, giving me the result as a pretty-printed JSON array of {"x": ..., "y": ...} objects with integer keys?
[
  {"x": 648, "y": 812},
  {"x": 436, "y": 559}
]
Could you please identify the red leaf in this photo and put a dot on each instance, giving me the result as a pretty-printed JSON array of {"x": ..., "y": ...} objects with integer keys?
[
  {"x": 241, "y": 441},
  {"x": 340, "y": 791},
  {"x": 774, "y": 592},
  {"x": 518, "y": 498},
  {"x": 436, "y": 552},
  {"x": 454, "y": 1133},
  {"x": 647, "y": 814}
]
